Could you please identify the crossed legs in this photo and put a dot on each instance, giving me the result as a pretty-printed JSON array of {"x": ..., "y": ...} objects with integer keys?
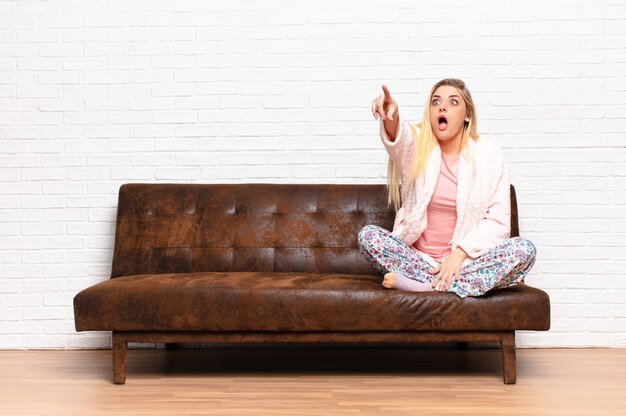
[{"x": 504, "y": 265}]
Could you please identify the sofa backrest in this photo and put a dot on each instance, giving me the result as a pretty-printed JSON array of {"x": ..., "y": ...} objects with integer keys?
[{"x": 183, "y": 228}]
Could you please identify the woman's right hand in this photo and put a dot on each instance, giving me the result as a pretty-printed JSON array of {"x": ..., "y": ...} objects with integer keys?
[{"x": 385, "y": 107}]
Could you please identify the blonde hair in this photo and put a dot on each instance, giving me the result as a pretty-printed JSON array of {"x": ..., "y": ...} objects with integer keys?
[{"x": 425, "y": 141}]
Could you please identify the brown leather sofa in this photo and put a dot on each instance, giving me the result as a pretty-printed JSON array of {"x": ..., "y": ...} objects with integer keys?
[{"x": 261, "y": 263}]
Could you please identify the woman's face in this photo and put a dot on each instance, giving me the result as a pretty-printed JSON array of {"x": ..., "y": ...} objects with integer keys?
[{"x": 447, "y": 103}]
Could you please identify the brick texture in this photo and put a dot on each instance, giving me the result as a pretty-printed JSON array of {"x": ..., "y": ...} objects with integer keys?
[{"x": 94, "y": 94}]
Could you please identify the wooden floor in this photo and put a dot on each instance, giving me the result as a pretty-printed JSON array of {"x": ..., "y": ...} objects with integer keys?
[{"x": 314, "y": 381}]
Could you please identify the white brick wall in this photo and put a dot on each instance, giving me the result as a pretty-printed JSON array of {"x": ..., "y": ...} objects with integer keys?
[{"x": 94, "y": 94}]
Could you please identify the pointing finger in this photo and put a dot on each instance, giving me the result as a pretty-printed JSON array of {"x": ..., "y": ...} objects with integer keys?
[{"x": 387, "y": 93}]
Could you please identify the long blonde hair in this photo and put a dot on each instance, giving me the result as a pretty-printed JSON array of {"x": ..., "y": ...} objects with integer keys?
[{"x": 425, "y": 141}]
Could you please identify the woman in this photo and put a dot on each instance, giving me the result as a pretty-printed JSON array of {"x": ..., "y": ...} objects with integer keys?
[{"x": 451, "y": 231}]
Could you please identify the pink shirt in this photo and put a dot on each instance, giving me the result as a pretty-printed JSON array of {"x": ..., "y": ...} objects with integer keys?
[{"x": 441, "y": 212}]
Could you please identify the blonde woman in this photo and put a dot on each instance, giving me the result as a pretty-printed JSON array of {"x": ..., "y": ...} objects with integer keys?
[{"x": 451, "y": 191}]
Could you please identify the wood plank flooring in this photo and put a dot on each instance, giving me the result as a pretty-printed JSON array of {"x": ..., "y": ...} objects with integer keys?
[{"x": 314, "y": 381}]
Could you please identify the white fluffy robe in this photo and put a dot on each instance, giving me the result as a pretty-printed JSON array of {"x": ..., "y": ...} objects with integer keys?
[{"x": 483, "y": 200}]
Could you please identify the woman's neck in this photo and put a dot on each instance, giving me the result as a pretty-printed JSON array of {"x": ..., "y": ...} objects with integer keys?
[{"x": 450, "y": 148}]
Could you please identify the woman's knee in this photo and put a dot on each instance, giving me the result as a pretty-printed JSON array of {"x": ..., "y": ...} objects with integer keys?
[
  {"x": 367, "y": 233},
  {"x": 526, "y": 246}
]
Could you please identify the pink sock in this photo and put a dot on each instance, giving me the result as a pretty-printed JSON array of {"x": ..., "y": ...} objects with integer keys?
[{"x": 404, "y": 283}]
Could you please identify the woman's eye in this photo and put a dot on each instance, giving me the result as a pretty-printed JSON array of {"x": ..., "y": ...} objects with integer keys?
[{"x": 436, "y": 101}]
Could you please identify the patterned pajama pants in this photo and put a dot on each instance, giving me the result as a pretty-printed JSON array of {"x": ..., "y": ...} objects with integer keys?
[{"x": 504, "y": 265}]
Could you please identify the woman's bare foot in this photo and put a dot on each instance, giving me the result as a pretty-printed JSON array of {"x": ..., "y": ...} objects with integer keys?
[{"x": 390, "y": 278}]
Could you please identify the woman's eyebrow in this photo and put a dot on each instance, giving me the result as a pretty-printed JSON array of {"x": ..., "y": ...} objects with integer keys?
[{"x": 449, "y": 96}]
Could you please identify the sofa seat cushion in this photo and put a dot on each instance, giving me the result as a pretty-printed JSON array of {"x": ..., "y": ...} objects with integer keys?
[{"x": 261, "y": 301}]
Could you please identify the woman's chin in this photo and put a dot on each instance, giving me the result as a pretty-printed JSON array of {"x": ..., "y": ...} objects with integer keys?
[{"x": 441, "y": 135}]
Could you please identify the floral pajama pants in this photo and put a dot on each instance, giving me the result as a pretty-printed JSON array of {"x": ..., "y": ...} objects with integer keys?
[{"x": 504, "y": 265}]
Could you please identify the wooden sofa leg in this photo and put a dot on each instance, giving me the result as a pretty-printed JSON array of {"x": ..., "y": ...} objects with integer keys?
[
  {"x": 120, "y": 346},
  {"x": 508, "y": 358}
]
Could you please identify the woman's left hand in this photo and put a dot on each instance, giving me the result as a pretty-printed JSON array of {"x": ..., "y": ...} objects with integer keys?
[{"x": 448, "y": 271}]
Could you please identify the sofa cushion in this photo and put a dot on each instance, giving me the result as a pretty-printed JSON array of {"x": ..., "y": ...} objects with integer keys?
[{"x": 261, "y": 301}]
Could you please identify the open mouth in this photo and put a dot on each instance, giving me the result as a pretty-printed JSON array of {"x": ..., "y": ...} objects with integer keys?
[{"x": 443, "y": 123}]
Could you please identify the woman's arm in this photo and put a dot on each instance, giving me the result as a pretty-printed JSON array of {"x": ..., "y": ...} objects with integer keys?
[
  {"x": 391, "y": 128},
  {"x": 402, "y": 148},
  {"x": 396, "y": 137}
]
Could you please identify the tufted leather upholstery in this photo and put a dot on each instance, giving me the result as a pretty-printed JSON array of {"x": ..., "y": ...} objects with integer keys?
[
  {"x": 241, "y": 228},
  {"x": 272, "y": 257},
  {"x": 173, "y": 228}
]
